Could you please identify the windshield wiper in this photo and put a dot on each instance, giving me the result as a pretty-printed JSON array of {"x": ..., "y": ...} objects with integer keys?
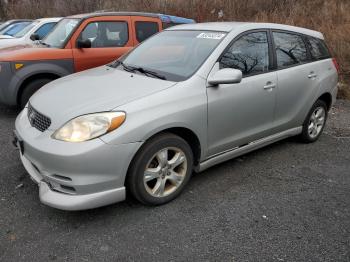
[
  {"x": 139, "y": 69},
  {"x": 149, "y": 72},
  {"x": 43, "y": 43},
  {"x": 125, "y": 67}
]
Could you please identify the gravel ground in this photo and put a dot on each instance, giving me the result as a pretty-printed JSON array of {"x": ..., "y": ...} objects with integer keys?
[{"x": 287, "y": 202}]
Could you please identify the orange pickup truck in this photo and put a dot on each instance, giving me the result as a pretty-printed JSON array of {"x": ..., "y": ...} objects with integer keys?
[{"x": 76, "y": 43}]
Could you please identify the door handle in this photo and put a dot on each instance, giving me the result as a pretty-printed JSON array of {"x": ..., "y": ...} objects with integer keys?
[
  {"x": 269, "y": 86},
  {"x": 312, "y": 75}
]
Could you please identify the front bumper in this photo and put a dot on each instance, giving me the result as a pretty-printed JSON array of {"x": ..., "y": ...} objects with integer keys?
[
  {"x": 58, "y": 200},
  {"x": 74, "y": 176}
]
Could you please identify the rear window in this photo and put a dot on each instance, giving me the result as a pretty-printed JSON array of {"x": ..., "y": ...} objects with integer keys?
[
  {"x": 318, "y": 48},
  {"x": 145, "y": 29}
]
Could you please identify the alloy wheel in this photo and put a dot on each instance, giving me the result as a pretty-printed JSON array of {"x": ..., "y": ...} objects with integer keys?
[
  {"x": 317, "y": 121},
  {"x": 165, "y": 172}
]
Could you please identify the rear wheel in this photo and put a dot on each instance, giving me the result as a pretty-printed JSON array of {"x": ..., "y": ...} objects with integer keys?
[
  {"x": 160, "y": 170},
  {"x": 30, "y": 89},
  {"x": 315, "y": 122}
]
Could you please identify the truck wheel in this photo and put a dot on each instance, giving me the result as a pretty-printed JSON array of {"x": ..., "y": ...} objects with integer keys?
[
  {"x": 30, "y": 89},
  {"x": 160, "y": 170}
]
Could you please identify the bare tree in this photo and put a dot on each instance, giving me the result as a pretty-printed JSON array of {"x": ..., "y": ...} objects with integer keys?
[{"x": 2, "y": 9}]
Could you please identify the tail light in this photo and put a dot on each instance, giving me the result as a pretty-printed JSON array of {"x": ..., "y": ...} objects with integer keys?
[{"x": 336, "y": 65}]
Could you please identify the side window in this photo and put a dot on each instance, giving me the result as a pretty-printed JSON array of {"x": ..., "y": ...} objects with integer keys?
[
  {"x": 167, "y": 25},
  {"x": 290, "y": 49},
  {"x": 145, "y": 29},
  {"x": 106, "y": 34},
  {"x": 44, "y": 30},
  {"x": 318, "y": 48},
  {"x": 250, "y": 54}
]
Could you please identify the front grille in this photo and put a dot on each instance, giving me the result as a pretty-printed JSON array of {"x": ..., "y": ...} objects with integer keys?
[{"x": 38, "y": 120}]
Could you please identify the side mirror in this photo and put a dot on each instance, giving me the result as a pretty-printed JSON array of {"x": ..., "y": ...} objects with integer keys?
[
  {"x": 225, "y": 76},
  {"x": 34, "y": 37},
  {"x": 83, "y": 43}
]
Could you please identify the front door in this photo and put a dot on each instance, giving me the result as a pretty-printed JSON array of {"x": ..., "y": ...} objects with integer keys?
[
  {"x": 110, "y": 39},
  {"x": 244, "y": 112}
]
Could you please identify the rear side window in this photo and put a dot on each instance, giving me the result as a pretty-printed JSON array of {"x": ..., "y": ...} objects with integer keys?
[
  {"x": 290, "y": 49},
  {"x": 44, "y": 30},
  {"x": 250, "y": 54},
  {"x": 145, "y": 29},
  {"x": 106, "y": 34},
  {"x": 318, "y": 48}
]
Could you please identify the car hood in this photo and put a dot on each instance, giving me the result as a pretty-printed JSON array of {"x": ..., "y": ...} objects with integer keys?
[
  {"x": 32, "y": 51},
  {"x": 96, "y": 90},
  {"x": 12, "y": 44}
]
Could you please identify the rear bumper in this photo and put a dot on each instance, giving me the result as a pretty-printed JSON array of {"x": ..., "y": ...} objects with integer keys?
[{"x": 334, "y": 94}]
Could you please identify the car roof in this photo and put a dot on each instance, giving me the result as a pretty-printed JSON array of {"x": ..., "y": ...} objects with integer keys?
[
  {"x": 17, "y": 20},
  {"x": 163, "y": 17},
  {"x": 50, "y": 19},
  {"x": 244, "y": 26}
]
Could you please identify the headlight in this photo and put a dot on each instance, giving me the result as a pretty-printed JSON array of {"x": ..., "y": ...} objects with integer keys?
[{"x": 90, "y": 126}]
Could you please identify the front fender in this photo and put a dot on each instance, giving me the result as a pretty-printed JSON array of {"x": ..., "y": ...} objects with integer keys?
[
  {"x": 180, "y": 106},
  {"x": 59, "y": 68}
]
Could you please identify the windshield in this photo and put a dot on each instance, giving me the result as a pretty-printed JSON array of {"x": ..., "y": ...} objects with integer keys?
[
  {"x": 25, "y": 30},
  {"x": 61, "y": 33},
  {"x": 176, "y": 55},
  {"x": 14, "y": 29}
]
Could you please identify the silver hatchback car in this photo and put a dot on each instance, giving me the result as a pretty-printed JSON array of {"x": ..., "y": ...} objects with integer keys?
[{"x": 186, "y": 99}]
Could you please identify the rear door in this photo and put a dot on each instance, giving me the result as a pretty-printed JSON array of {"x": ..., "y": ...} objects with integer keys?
[
  {"x": 145, "y": 27},
  {"x": 110, "y": 37},
  {"x": 297, "y": 79},
  {"x": 242, "y": 113}
]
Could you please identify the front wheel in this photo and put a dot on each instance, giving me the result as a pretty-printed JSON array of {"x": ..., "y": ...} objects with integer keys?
[
  {"x": 160, "y": 170},
  {"x": 315, "y": 122}
]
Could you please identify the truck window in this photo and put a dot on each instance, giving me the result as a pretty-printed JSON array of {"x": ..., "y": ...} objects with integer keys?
[
  {"x": 106, "y": 34},
  {"x": 145, "y": 29}
]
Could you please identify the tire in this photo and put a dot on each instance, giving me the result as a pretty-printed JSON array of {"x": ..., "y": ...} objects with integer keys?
[
  {"x": 147, "y": 187},
  {"x": 313, "y": 125},
  {"x": 31, "y": 88}
]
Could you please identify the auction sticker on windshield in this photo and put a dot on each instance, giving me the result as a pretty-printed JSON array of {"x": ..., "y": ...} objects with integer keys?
[{"x": 216, "y": 36}]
